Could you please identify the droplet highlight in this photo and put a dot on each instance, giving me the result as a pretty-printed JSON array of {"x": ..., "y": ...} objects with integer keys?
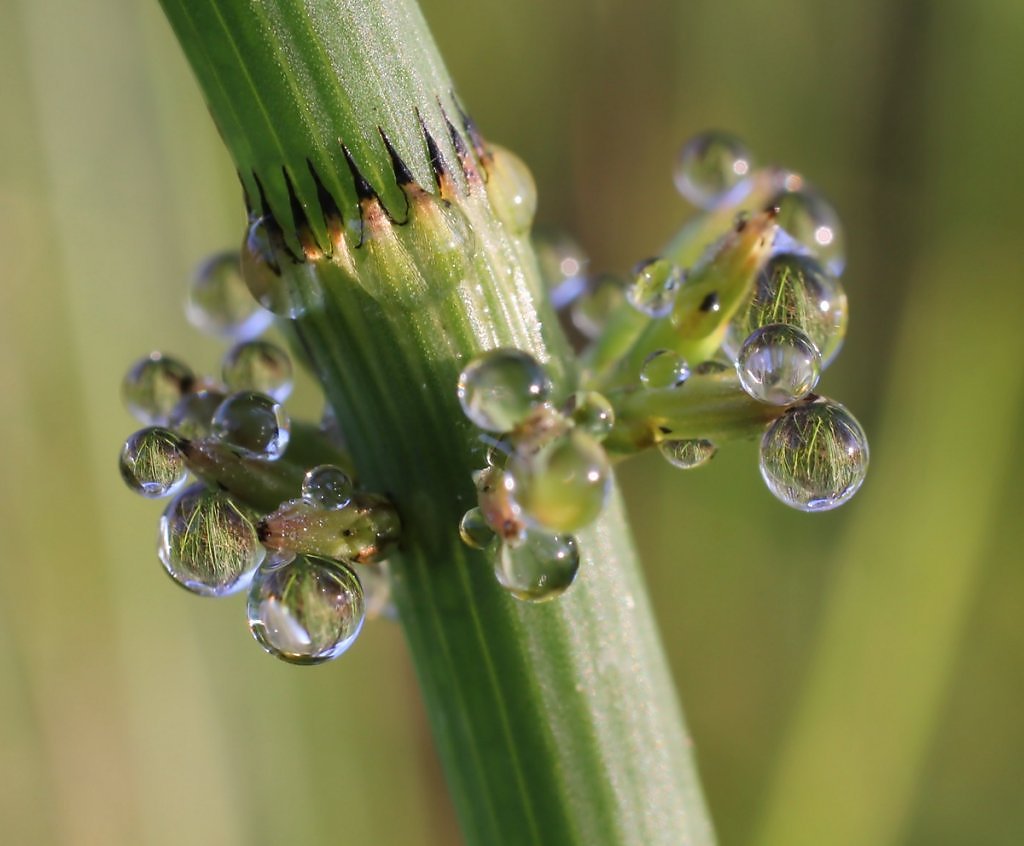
[
  {"x": 152, "y": 462},
  {"x": 814, "y": 457},
  {"x": 778, "y": 364},
  {"x": 305, "y": 609},
  {"x": 208, "y": 544},
  {"x": 500, "y": 388},
  {"x": 253, "y": 423}
]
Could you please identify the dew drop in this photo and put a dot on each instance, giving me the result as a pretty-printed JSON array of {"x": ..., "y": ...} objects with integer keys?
[
  {"x": 562, "y": 264},
  {"x": 709, "y": 165},
  {"x": 154, "y": 385},
  {"x": 500, "y": 388},
  {"x": 192, "y": 417},
  {"x": 208, "y": 543},
  {"x": 219, "y": 301},
  {"x": 258, "y": 366},
  {"x": 254, "y": 423},
  {"x": 687, "y": 454},
  {"x": 305, "y": 609},
  {"x": 512, "y": 190},
  {"x": 474, "y": 531},
  {"x": 795, "y": 290},
  {"x": 654, "y": 287},
  {"x": 711, "y": 367},
  {"x": 153, "y": 463},
  {"x": 814, "y": 457},
  {"x": 593, "y": 413},
  {"x": 778, "y": 364},
  {"x": 539, "y": 568},
  {"x": 595, "y": 306},
  {"x": 327, "y": 487},
  {"x": 810, "y": 219},
  {"x": 563, "y": 486},
  {"x": 261, "y": 271},
  {"x": 664, "y": 369}
]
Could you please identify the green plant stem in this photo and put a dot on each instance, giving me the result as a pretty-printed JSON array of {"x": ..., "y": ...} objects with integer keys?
[{"x": 556, "y": 723}]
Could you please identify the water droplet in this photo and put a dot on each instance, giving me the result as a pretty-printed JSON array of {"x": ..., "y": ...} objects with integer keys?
[
  {"x": 498, "y": 452},
  {"x": 654, "y": 287},
  {"x": 258, "y": 366},
  {"x": 778, "y": 364},
  {"x": 192, "y": 417},
  {"x": 327, "y": 487},
  {"x": 563, "y": 486},
  {"x": 687, "y": 454},
  {"x": 154, "y": 385},
  {"x": 593, "y": 413},
  {"x": 152, "y": 462},
  {"x": 664, "y": 369},
  {"x": 562, "y": 264},
  {"x": 593, "y": 309},
  {"x": 795, "y": 290},
  {"x": 810, "y": 219},
  {"x": 711, "y": 368},
  {"x": 261, "y": 270},
  {"x": 709, "y": 165},
  {"x": 219, "y": 301},
  {"x": 500, "y": 388},
  {"x": 539, "y": 568},
  {"x": 208, "y": 543},
  {"x": 815, "y": 456},
  {"x": 254, "y": 423},
  {"x": 377, "y": 597},
  {"x": 305, "y": 609},
  {"x": 474, "y": 531},
  {"x": 511, "y": 189}
]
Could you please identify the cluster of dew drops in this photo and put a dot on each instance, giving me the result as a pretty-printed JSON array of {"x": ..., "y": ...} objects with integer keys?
[
  {"x": 547, "y": 475},
  {"x": 306, "y": 603}
]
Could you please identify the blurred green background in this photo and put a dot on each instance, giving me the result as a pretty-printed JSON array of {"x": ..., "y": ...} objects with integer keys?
[{"x": 850, "y": 678}]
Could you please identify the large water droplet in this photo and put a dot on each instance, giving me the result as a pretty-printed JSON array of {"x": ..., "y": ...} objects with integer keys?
[
  {"x": 654, "y": 287},
  {"x": 261, "y": 270},
  {"x": 327, "y": 487},
  {"x": 152, "y": 462},
  {"x": 564, "y": 485},
  {"x": 815, "y": 456},
  {"x": 305, "y": 609},
  {"x": 208, "y": 543},
  {"x": 687, "y": 454},
  {"x": 595, "y": 306},
  {"x": 254, "y": 423},
  {"x": 539, "y": 568},
  {"x": 511, "y": 188},
  {"x": 219, "y": 301},
  {"x": 778, "y": 364},
  {"x": 664, "y": 369},
  {"x": 154, "y": 385},
  {"x": 258, "y": 366},
  {"x": 500, "y": 388},
  {"x": 474, "y": 531},
  {"x": 192, "y": 417},
  {"x": 795, "y": 290},
  {"x": 709, "y": 165},
  {"x": 593, "y": 413},
  {"x": 810, "y": 219}
]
